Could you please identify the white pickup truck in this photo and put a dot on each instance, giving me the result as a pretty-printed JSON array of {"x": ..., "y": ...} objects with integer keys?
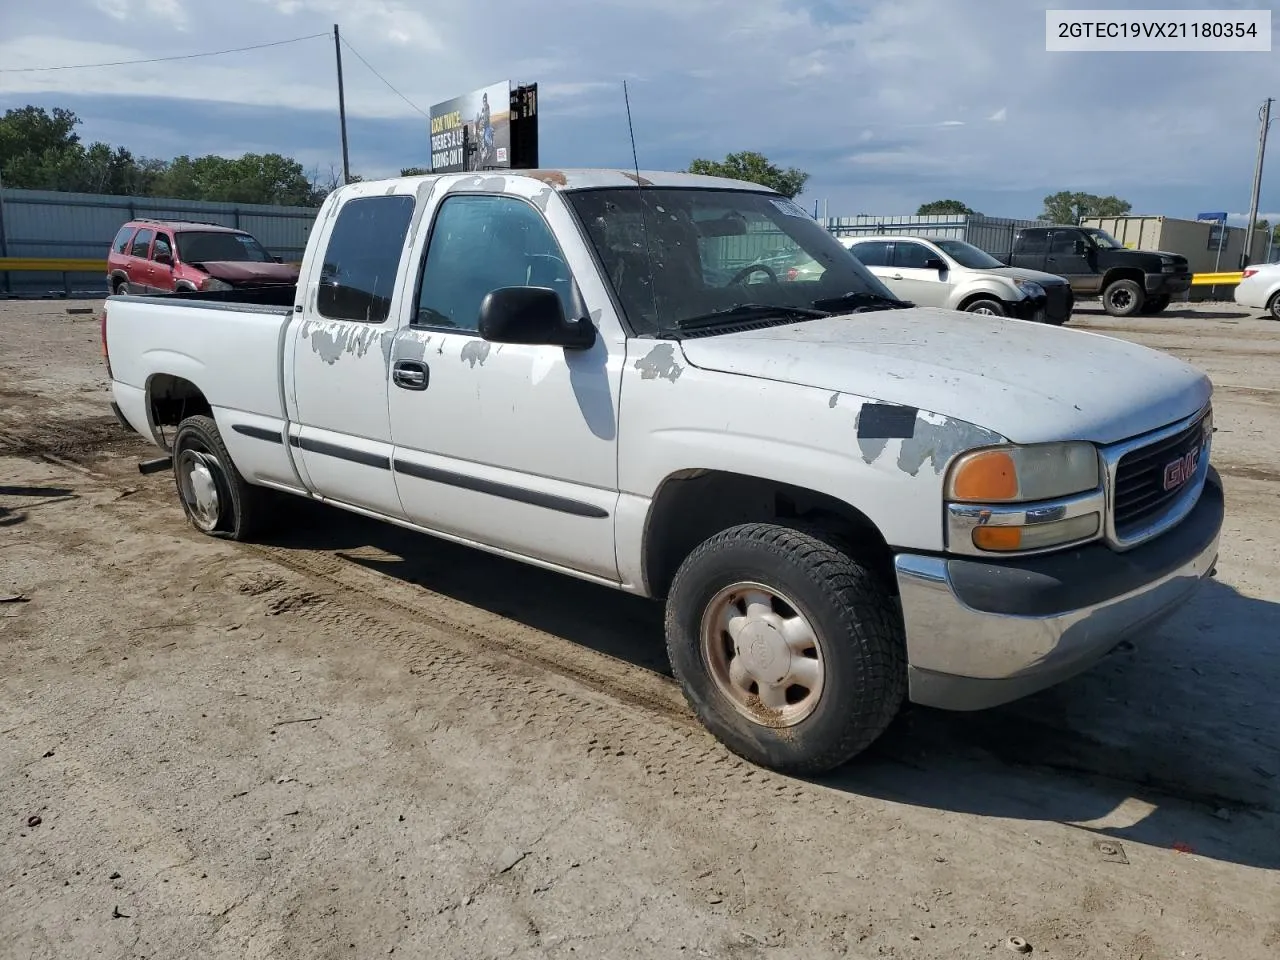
[{"x": 845, "y": 502}]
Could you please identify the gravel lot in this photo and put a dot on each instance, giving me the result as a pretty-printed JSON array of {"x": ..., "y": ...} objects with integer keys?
[{"x": 352, "y": 741}]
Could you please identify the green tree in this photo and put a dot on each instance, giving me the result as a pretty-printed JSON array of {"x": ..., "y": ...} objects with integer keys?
[
  {"x": 251, "y": 178},
  {"x": 1066, "y": 206},
  {"x": 414, "y": 171},
  {"x": 755, "y": 168},
  {"x": 944, "y": 207}
]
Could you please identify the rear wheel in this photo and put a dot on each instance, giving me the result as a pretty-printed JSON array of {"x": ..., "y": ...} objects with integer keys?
[
  {"x": 215, "y": 497},
  {"x": 789, "y": 650},
  {"x": 1274, "y": 306},
  {"x": 1155, "y": 305},
  {"x": 1123, "y": 298},
  {"x": 120, "y": 288},
  {"x": 986, "y": 306}
]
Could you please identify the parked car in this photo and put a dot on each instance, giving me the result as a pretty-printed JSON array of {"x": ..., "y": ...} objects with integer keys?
[
  {"x": 169, "y": 256},
  {"x": 845, "y": 501},
  {"x": 1260, "y": 288},
  {"x": 1129, "y": 282},
  {"x": 959, "y": 276}
]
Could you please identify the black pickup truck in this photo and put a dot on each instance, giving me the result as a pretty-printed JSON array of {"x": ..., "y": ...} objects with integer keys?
[{"x": 1096, "y": 264}]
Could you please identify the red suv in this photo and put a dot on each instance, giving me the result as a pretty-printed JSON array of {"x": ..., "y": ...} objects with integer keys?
[{"x": 166, "y": 256}]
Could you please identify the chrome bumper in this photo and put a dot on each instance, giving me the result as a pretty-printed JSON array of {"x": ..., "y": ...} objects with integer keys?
[{"x": 981, "y": 634}]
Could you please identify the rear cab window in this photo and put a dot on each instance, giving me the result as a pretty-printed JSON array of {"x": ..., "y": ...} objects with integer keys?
[
  {"x": 362, "y": 258},
  {"x": 873, "y": 253},
  {"x": 121, "y": 243},
  {"x": 141, "y": 243}
]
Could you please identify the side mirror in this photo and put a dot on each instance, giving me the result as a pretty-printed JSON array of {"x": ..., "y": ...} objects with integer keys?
[
  {"x": 164, "y": 258},
  {"x": 532, "y": 315},
  {"x": 1081, "y": 247},
  {"x": 935, "y": 263},
  {"x": 276, "y": 259}
]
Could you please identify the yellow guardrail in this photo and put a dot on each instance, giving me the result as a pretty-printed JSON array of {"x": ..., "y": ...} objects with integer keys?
[
  {"x": 1215, "y": 279},
  {"x": 53, "y": 264}
]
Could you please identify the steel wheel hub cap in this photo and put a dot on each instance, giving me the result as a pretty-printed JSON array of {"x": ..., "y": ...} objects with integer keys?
[
  {"x": 763, "y": 654},
  {"x": 200, "y": 488}
]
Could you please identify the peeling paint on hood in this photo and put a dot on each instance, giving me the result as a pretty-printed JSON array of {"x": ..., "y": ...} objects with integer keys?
[{"x": 1025, "y": 381}]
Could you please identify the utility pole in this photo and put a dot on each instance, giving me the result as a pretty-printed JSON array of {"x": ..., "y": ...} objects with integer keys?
[
  {"x": 1264, "y": 115},
  {"x": 342, "y": 107}
]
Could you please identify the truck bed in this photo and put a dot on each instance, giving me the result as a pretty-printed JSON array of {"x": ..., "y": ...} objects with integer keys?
[{"x": 270, "y": 300}]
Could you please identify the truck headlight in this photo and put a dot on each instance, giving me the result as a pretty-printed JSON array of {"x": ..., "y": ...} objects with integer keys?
[{"x": 1024, "y": 498}]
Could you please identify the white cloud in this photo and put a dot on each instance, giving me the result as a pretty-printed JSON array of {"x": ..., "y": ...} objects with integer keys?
[{"x": 712, "y": 76}]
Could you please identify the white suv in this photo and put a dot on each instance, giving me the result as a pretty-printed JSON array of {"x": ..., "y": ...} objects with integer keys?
[{"x": 959, "y": 276}]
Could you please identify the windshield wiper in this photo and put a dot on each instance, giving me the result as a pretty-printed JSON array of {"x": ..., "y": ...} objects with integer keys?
[
  {"x": 748, "y": 311},
  {"x": 860, "y": 302}
]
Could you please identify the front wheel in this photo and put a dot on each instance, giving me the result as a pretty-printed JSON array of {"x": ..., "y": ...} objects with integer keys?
[
  {"x": 1122, "y": 298},
  {"x": 789, "y": 651},
  {"x": 214, "y": 496},
  {"x": 986, "y": 306},
  {"x": 1274, "y": 306}
]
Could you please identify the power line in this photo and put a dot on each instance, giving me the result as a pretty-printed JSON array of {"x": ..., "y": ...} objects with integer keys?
[
  {"x": 384, "y": 79},
  {"x": 185, "y": 56}
]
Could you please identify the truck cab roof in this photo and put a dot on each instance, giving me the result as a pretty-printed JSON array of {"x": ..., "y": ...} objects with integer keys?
[{"x": 586, "y": 179}]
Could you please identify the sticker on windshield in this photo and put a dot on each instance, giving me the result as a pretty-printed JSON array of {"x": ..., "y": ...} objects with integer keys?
[{"x": 789, "y": 207}]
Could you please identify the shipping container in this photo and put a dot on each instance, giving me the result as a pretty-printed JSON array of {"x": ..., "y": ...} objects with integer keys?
[{"x": 1208, "y": 247}]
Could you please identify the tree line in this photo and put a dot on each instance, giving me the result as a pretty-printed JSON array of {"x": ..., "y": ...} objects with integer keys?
[{"x": 41, "y": 150}]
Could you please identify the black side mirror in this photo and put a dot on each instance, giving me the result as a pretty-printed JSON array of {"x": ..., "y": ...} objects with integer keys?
[
  {"x": 935, "y": 263},
  {"x": 532, "y": 315},
  {"x": 276, "y": 259},
  {"x": 164, "y": 258},
  {"x": 1081, "y": 247}
]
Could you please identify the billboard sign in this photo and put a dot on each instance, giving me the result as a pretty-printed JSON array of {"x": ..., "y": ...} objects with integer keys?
[{"x": 472, "y": 132}]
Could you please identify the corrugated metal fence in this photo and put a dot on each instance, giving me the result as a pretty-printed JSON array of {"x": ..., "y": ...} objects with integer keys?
[
  {"x": 45, "y": 223},
  {"x": 992, "y": 234}
]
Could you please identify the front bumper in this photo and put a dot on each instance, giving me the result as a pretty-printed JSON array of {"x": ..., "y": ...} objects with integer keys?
[
  {"x": 1170, "y": 283},
  {"x": 982, "y": 633},
  {"x": 1028, "y": 308}
]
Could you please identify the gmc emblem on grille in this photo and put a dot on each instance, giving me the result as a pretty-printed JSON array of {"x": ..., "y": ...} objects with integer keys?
[{"x": 1181, "y": 470}]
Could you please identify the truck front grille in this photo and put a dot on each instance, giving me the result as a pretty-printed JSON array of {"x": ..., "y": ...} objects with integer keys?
[{"x": 1151, "y": 479}]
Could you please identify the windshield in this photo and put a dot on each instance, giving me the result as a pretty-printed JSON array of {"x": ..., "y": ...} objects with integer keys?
[
  {"x": 213, "y": 246},
  {"x": 967, "y": 255},
  {"x": 719, "y": 252},
  {"x": 1104, "y": 239}
]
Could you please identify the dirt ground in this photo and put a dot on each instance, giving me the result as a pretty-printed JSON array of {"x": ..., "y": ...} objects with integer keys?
[{"x": 353, "y": 741}]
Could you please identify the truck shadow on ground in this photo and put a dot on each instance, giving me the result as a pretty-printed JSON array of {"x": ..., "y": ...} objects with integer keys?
[
  {"x": 1169, "y": 743},
  {"x": 10, "y": 517}
]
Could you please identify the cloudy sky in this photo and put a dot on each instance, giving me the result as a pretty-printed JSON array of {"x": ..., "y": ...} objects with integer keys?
[{"x": 886, "y": 104}]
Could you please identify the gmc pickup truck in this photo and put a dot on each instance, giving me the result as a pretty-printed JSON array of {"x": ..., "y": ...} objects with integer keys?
[
  {"x": 846, "y": 502},
  {"x": 1098, "y": 265}
]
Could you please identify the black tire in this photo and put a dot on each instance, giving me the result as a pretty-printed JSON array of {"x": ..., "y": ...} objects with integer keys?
[
  {"x": 1155, "y": 305},
  {"x": 853, "y": 615},
  {"x": 985, "y": 305},
  {"x": 1123, "y": 298},
  {"x": 1274, "y": 306},
  {"x": 120, "y": 288},
  {"x": 241, "y": 509}
]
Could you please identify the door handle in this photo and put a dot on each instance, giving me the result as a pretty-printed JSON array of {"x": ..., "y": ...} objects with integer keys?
[
  {"x": 896, "y": 276},
  {"x": 410, "y": 374}
]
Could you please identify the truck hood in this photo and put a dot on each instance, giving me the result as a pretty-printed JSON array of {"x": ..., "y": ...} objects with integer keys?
[
  {"x": 1037, "y": 276},
  {"x": 249, "y": 272},
  {"x": 1026, "y": 381}
]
